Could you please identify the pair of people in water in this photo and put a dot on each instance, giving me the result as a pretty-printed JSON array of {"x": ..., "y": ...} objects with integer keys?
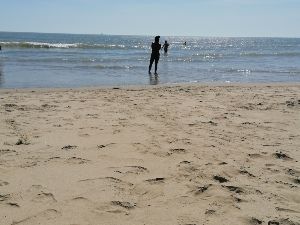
[{"x": 155, "y": 55}]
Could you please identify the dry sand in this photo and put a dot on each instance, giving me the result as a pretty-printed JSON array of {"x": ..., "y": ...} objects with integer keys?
[{"x": 160, "y": 155}]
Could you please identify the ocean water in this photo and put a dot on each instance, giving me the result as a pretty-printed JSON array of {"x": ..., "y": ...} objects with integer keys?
[{"x": 68, "y": 60}]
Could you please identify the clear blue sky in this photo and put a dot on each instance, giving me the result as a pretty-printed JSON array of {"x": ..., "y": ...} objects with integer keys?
[{"x": 276, "y": 18}]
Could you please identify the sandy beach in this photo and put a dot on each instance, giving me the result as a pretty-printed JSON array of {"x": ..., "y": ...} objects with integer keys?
[{"x": 186, "y": 154}]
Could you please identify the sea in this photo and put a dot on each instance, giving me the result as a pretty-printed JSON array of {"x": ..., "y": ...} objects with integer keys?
[{"x": 41, "y": 60}]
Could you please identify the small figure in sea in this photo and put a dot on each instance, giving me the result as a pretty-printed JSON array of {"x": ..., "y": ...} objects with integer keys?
[
  {"x": 166, "y": 46},
  {"x": 156, "y": 46},
  {"x": 184, "y": 43}
]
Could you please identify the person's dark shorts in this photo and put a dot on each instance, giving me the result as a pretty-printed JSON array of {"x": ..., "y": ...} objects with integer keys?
[{"x": 154, "y": 57}]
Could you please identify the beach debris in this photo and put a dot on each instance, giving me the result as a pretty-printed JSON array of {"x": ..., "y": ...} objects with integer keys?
[
  {"x": 13, "y": 204},
  {"x": 213, "y": 123},
  {"x": 292, "y": 103},
  {"x": 4, "y": 197},
  {"x": 47, "y": 106},
  {"x": 297, "y": 181},
  {"x": 234, "y": 189},
  {"x": 101, "y": 146},
  {"x": 156, "y": 180},
  {"x": 210, "y": 211},
  {"x": 126, "y": 205},
  {"x": 286, "y": 221},
  {"x": 255, "y": 221},
  {"x": 246, "y": 173},
  {"x": 178, "y": 150},
  {"x": 69, "y": 147},
  {"x": 76, "y": 160},
  {"x": 237, "y": 199},
  {"x": 293, "y": 172},
  {"x": 220, "y": 179},
  {"x": 185, "y": 162},
  {"x": 273, "y": 223},
  {"x": 201, "y": 189},
  {"x": 281, "y": 155},
  {"x": 286, "y": 210},
  {"x": 104, "y": 146},
  {"x": 10, "y": 105},
  {"x": 6, "y": 151},
  {"x": 23, "y": 141}
]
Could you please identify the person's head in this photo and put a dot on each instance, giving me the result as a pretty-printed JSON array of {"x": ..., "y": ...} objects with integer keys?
[
  {"x": 166, "y": 42},
  {"x": 157, "y": 38}
]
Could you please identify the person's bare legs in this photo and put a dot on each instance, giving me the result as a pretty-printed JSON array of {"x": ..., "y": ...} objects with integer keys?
[
  {"x": 150, "y": 65},
  {"x": 156, "y": 62}
]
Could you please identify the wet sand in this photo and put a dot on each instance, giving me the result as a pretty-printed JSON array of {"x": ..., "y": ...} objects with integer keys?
[{"x": 188, "y": 154}]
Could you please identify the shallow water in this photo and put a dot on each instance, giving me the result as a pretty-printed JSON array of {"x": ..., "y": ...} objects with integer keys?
[{"x": 68, "y": 60}]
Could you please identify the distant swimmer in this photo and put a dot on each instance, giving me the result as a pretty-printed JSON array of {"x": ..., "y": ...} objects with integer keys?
[
  {"x": 156, "y": 46},
  {"x": 166, "y": 46},
  {"x": 184, "y": 43}
]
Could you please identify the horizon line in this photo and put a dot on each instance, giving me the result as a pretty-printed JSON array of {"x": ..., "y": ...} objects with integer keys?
[{"x": 148, "y": 35}]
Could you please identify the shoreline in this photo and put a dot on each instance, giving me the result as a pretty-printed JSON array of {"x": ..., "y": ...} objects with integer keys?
[
  {"x": 148, "y": 86},
  {"x": 180, "y": 154}
]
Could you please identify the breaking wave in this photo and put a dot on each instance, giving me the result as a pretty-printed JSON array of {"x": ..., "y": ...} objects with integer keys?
[{"x": 67, "y": 45}]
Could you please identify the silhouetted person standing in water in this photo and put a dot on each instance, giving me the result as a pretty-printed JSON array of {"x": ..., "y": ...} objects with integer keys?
[
  {"x": 155, "y": 53},
  {"x": 166, "y": 46}
]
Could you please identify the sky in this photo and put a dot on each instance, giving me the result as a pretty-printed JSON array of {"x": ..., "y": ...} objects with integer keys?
[{"x": 226, "y": 18}]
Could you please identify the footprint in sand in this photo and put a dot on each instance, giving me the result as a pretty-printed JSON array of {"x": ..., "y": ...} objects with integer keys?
[
  {"x": 7, "y": 151},
  {"x": 81, "y": 202},
  {"x": 75, "y": 160},
  {"x": 3, "y": 183},
  {"x": 158, "y": 180},
  {"x": 131, "y": 170},
  {"x": 255, "y": 156},
  {"x": 38, "y": 194},
  {"x": 40, "y": 218},
  {"x": 83, "y": 135},
  {"x": 44, "y": 197},
  {"x": 29, "y": 164},
  {"x": 111, "y": 183},
  {"x": 283, "y": 222},
  {"x": 186, "y": 219}
]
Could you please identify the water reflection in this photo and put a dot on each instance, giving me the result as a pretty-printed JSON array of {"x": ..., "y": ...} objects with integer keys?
[
  {"x": 154, "y": 79},
  {"x": 1, "y": 75}
]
